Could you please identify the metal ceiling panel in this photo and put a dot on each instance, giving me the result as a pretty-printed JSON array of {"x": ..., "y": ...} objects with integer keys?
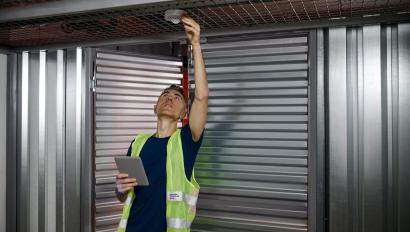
[{"x": 98, "y": 24}]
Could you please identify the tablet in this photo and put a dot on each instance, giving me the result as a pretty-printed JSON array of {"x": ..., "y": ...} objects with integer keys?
[{"x": 133, "y": 167}]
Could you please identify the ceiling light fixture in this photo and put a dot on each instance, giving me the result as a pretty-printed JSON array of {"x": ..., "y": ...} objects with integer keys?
[{"x": 174, "y": 15}]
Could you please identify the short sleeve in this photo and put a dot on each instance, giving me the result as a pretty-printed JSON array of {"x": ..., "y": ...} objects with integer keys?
[{"x": 190, "y": 149}]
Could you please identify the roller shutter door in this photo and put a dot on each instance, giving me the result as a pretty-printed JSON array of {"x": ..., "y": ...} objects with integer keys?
[
  {"x": 127, "y": 87},
  {"x": 252, "y": 166}
]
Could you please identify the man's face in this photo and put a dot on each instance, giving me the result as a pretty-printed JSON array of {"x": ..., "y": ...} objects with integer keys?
[{"x": 170, "y": 104}]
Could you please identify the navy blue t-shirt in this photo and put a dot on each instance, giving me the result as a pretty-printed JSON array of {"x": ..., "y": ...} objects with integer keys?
[{"x": 148, "y": 211}]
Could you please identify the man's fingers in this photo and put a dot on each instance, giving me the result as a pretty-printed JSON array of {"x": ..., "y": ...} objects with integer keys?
[
  {"x": 196, "y": 27},
  {"x": 122, "y": 175},
  {"x": 189, "y": 21},
  {"x": 191, "y": 29},
  {"x": 186, "y": 18},
  {"x": 126, "y": 180},
  {"x": 192, "y": 25},
  {"x": 127, "y": 185}
]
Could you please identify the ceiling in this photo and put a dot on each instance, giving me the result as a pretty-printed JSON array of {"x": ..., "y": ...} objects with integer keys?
[{"x": 148, "y": 19}]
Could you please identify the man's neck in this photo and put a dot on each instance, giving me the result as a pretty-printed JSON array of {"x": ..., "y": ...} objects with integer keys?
[{"x": 165, "y": 127}]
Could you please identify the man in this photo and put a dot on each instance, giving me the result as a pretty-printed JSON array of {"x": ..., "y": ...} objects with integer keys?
[{"x": 168, "y": 203}]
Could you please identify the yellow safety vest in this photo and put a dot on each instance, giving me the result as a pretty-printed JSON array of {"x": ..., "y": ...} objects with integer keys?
[{"x": 182, "y": 194}]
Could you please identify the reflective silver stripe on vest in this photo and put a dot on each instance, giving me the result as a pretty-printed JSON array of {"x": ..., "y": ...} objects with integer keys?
[
  {"x": 178, "y": 223},
  {"x": 123, "y": 223},
  {"x": 190, "y": 200},
  {"x": 128, "y": 201},
  {"x": 180, "y": 196}
]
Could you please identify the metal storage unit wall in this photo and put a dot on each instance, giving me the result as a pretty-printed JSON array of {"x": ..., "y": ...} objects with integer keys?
[
  {"x": 252, "y": 166},
  {"x": 368, "y": 72},
  {"x": 48, "y": 166},
  {"x": 127, "y": 88}
]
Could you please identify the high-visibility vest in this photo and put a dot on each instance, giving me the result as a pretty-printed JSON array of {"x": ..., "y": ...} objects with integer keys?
[{"x": 182, "y": 194}]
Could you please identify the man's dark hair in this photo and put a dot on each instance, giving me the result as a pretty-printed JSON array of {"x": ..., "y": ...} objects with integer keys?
[{"x": 177, "y": 88}]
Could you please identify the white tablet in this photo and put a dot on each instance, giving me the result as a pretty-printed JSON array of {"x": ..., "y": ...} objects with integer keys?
[{"x": 133, "y": 167}]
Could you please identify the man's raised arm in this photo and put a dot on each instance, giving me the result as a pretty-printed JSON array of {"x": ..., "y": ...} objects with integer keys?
[{"x": 199, "y": 109}]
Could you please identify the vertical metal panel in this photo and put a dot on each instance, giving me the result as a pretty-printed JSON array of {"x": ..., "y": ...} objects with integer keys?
[
  {"x": 371, "y": 171},
  {"x": 391, "y": 64},
  {"x": 51, "y": 141},
  {"x": 312, "y": 123},
  {"x": 316, "y": 139},
  {"x": 87, "y": 135},
  {"x": 127, "y": 88},
  {"x": 372, "y": 131},
  {"x": 23, "y": 146},
  {"x": 320, "y": 133},
  {"x": 3, "y": 142},
  {"x": 40, "y": 159},
  {"x": 33, "y": 152},
  {"x": 60, "y": 137},
  {"x": 11, "y": 159},
  {"x": 354, "y": 81},
  {"x": 252, "y": 166},
  {"x": 337, "y": 122},
  {"x": 41, "y": 139},
  {"x": 72, "y": 142},
  {"x": 404, "y": 127}
]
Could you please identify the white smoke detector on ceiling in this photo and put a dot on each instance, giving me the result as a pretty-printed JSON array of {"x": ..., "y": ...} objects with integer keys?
[{"x": 174, "y": 15}]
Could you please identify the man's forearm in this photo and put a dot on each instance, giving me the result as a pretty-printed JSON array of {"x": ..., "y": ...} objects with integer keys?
[{"x": 201, "y": 83}]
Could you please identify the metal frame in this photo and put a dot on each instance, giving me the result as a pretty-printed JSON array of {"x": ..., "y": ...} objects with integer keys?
[
  {"x": 277, "y": 27},
  {"x": 317, "y": 111},
  {"x": 49, "y": 9},
  {"x": 59, "y": 8}
]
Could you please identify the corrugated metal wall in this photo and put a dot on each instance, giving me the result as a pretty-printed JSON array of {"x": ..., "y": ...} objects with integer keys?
[
  {"x": 48, "y": 132},
  {"x": 368, "y": 73},
  {"x": 252, "y": 166},
  {"x": 127, "y": 88}
]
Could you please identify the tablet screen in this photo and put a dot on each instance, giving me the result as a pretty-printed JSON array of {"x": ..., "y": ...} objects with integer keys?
[{"x": 133, "y": 167}]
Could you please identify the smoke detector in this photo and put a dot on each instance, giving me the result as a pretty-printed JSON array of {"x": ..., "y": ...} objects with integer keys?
[{"x": 174, "y": 15}]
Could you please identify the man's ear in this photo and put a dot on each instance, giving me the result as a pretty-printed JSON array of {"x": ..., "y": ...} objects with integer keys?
[{"x": 185, "y": 113}]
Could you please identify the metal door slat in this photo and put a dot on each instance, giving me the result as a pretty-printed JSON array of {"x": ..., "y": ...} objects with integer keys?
[{"x": 253, "y": 163}]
